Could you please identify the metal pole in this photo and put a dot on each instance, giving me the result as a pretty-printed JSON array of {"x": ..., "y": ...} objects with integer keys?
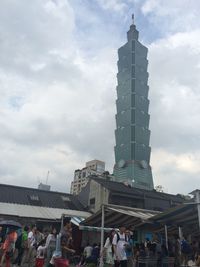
[
  {"x": 102, "y": 232},
  {"x": 166, "y": 237},
  {"x": 197, "y": 193},
  {"x": 180, "y": 233}
]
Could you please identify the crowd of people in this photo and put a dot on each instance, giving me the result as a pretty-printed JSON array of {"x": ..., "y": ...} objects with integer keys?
[
  {"x": 121, "y": 250},
  {"x": 30, "y": 247}
]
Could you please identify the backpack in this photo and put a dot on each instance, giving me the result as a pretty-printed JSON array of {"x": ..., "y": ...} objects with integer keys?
[
  {"x": 185, "y": 247},
  {"x": 126, "y": 238}
]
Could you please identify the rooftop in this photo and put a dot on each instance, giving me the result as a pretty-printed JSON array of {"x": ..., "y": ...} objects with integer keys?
[
  {"x": 121, "y": 188},
  {"x": 36, "y": 197}
]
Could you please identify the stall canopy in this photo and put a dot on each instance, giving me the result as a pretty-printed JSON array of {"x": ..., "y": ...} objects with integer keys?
[
  {"x": 184, "y": 216},
  {"x": 119, "y": 215}
]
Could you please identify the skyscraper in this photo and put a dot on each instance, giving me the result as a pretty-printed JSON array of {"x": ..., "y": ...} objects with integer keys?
[{"x": 132, "y": 150}]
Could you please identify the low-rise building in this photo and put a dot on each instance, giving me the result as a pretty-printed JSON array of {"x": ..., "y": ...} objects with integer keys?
[
  {"x": 101, "y": 190},
  {"x": 36, "y": 206}
]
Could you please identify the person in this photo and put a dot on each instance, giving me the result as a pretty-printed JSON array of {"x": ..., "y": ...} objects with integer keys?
[
  {"x": 129, "y": 248},
  {"x": 51, "y": 244},
  {"x": 66, "y": 240},
  {"x": 94, "y": 255},
  {"x": 9, "y": 246},
  {"x": 197, "y": 258},
  {"x": 32, "y": 236},
  {"x": 39, "y": 236},
  {"x": 186, "y": 250},
  {"x": 1, "y": 241},
  {"x": 119, "y": 246},
  {"x": 29, "y": 255},
  {"x": 18, "y": 247},
  {"x": 177, "y": 250},
  {"x": 1, "y": 235},
  {"x": 87, "y": 251},
  {"x": 108, "y": 249},
  {"x": 40, "y": 254}
]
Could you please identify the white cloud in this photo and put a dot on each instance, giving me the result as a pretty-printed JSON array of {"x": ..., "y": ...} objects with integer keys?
[
  {"x": 177, "y": 173},
  {"x": 114, "y": 5}
]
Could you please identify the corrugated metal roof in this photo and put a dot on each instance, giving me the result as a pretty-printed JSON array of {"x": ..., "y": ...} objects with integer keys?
[
  {"x": 36, "y": 197},
  {"x": 116, "y": 216},
  {"x": 38, "y": 212}
]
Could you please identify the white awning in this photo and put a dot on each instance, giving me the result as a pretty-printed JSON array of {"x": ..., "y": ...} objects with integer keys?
[
  {"x": 39, "y": 212},
  {"x": 116, "y": 215}
]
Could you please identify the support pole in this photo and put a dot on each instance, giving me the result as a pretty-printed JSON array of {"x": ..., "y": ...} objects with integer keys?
[
  {"x": 166, "y": 237},
  {"x": 102, "y": 232},
  {"x": 198, "y": 205},
  {"x": 180, "y": 233},
  {"x": 196, "y": 194}
]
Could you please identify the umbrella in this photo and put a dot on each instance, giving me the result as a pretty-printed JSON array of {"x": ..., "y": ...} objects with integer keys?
[{"x": 10, "y": 223}]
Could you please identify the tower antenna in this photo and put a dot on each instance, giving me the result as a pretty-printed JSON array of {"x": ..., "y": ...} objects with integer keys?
[
  {"x": 47, "y": 177},
  {"x": 133, "y": 18}
]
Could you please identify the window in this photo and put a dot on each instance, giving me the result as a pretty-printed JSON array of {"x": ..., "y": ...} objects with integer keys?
[
  {"x": 133, "y": 71},
  {"x": 92, "y": 201},
  {"x": 133, "y": 58},
  {"x": 65, "y": 198},
  {"x": 133, "y": 86},
  {"x": 34, "y": 198}
]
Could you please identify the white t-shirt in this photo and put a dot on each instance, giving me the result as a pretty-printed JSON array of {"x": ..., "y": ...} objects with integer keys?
[
  {"x": 88, "y": 251},
  {"x": 31, "y": 238},
  {"x": 108, "y": 245},
  {"x": 120, "y": 246},
  {"x": 40, "y": 252}
]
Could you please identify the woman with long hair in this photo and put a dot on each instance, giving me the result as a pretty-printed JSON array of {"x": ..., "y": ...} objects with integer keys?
[{"x": 108, "y": 249}]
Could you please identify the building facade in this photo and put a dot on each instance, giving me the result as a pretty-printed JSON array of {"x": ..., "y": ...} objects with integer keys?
[
  {"x": 132, "y": 134},
  {"x": 101, "y": 190},
  {"x": 96, "y": 167}
]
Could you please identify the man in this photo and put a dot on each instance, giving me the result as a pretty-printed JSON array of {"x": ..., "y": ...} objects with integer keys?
[
  {"x": 66, "y": 240},
  {"x": 120, "y": 241},
  {"x": 32, "y": 236},
  {"x": 87, "y": 251}
]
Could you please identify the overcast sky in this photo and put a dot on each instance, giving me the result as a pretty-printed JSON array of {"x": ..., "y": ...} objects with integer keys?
[{"x": 58, "y": 65}]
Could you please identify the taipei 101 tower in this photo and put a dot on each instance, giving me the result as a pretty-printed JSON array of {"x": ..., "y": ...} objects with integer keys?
[{"x": 132, "y": 134}]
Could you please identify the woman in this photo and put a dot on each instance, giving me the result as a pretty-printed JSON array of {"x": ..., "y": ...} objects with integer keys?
[
  {"x": 9, "y": 247},
  {"x": 51, "y": 244},
  {"x": 108, "y": 249}
]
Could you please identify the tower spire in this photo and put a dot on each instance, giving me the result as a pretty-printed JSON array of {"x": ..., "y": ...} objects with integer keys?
[{"x": 133, "y": 19}]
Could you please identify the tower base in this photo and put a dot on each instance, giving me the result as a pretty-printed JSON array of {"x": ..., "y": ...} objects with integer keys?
[{"x": 135, "y": 173}]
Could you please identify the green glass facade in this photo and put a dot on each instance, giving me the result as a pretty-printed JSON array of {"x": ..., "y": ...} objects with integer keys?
[{"x": 132, "y": 150}]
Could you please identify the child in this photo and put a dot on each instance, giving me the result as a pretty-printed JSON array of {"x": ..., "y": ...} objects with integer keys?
[{"x": 40, "y": 254}]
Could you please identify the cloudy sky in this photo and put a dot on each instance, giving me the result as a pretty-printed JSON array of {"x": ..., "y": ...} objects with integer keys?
[{"x": 58, "y": 79}]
